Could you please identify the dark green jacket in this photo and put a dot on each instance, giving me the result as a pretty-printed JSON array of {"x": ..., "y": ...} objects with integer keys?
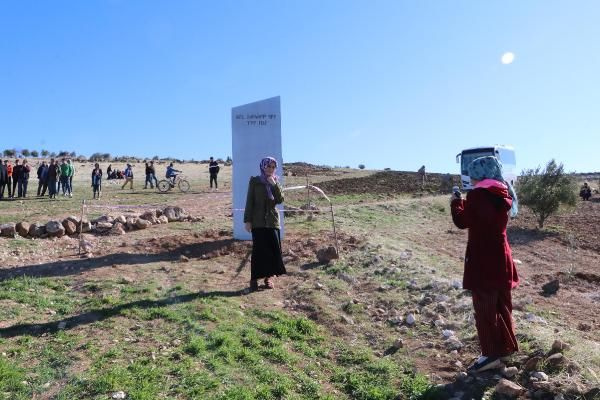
[{"x": 260, "y": 210}]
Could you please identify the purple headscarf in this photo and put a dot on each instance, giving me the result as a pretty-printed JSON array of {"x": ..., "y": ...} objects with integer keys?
[{"x": 263, "y": 177}]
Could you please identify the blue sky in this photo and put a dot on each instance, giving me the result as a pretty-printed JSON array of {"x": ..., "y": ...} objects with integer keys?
[{"x": 390, "y": 84}]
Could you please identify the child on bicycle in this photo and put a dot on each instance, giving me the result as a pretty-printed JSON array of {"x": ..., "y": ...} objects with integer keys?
[{"x": 172, "y": 174}]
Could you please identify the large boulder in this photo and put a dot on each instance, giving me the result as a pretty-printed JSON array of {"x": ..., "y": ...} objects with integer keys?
[
  {"x": 117, "y": 229},
  {"x": 142, "y": 224},
  {"x": 174, "y": 213},
  {"x": 131, "y": 222},
  {"x": 105, "y": 219},
  {"x": 509, "y": 389},
  {"x": 36, "y": 230},
  {"x": 22, "y": 229},
  {"x": 55, "y": 229},
  {"x": 8, "y": 230},
  {"x": 86, "y": 226},
  {"x": 121, "y": 219},
  {"x": 70, "y": 226},
  {"x": 103, "y": 226},
  {"x": 149, "y": 215},
  {"x": 163, "y": 219}
]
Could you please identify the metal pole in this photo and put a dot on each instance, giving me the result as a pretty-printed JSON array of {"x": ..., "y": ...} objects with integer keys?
[
  {"x": 334, "y": 232},
  {"x": 81, "y": 226}
]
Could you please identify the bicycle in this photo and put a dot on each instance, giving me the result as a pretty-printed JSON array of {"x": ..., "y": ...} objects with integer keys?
[{"x": 165, "y": 185}]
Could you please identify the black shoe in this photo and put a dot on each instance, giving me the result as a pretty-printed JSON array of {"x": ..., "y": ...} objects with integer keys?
[{"x": 485, "y": 364}]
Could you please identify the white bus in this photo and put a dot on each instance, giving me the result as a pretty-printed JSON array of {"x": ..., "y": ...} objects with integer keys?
[{"x": 506, "y": 155}]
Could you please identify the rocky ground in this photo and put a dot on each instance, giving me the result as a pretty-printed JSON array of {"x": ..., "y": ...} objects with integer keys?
[{"x": 396, "y": 285}]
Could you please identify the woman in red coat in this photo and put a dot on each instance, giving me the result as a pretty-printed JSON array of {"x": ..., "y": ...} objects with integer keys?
[{"x": 490, "y": 272}]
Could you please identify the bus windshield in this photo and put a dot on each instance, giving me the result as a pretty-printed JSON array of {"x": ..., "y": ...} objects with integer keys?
[{"x": 470, "y": 155}]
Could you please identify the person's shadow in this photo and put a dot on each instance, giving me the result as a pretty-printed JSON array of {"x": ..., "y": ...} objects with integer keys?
[{"x": 100, "y": 314}]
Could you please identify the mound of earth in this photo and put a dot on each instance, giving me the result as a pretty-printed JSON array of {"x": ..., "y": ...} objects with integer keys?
[
  {"x": 302, "y": 169},
  {"x": 392, "y": 182}
]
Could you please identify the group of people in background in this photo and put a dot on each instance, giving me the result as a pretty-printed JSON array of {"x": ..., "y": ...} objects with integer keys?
[
  {"x": 14, "y": 179},
  {"x": 57, "y": 176}
]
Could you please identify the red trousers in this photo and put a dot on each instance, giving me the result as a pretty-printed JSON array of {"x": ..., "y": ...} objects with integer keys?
[{"x": 493, "y": 318}]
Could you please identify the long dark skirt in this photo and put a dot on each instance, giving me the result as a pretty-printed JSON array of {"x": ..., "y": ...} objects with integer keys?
[
  {"x": 266, "y": 254},
  {"x": 493, "y": 319}
]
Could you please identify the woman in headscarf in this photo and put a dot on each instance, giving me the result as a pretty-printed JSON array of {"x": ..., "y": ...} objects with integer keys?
[
  {"x": 262, "y": 219},
  {"x": 490, "y": 273}
]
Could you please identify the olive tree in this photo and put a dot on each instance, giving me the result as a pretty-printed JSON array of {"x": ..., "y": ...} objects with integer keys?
[{"x": 543, "y": 191}]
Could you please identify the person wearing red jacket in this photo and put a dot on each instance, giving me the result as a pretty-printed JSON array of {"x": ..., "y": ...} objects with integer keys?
[
  {"x": 489, "y": 271},
  {"x": 9, "y": 180}
]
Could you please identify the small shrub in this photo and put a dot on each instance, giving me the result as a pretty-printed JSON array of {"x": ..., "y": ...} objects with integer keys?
[
  {"x": 361, "y": 166},
  {"x": 543, "y": 191}
]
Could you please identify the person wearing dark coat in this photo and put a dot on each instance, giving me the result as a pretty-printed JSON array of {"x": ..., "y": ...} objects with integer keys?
[
  {"x": 42, "y": 174},
  {"x": 489, "y": 271},
  {"x": 53, "y": 176},
  {"x": 16, "y": 171},
  {"x": 23, "y": 179},
  {"x": 3, "y": 179},
  {"x": 213, "y": 171},
  {"x": 261, "y": 218}
]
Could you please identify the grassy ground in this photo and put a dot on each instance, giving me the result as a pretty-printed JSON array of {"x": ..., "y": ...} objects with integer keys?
[{"x": 136, "y": 319}]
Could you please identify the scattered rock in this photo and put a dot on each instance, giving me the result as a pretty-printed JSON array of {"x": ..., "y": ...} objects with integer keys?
[
  {"x": 327, "y": 254},
  {"x": 551, "y": 287},
  {"x": 163, "y": 220},
  {"x": 398, "y": 343},
  {"x": 121, "y": 219},
  {"x": 183, "y": 258},
  {"x": 556, "y": 360},
  {"x": 8, "y": 230},
  {"x": 70, "y": 226},
  {"x": 509, "y": 372},
  {"x": 86, "y": 226},
  {"x": 508, "y": 388},
  {"x": 119, "y": 395},
  {"x": 347, "y": 278},
  {"x": 36, "y": 230},
  {"x": 142, "y": 224},
  {"x": 104, "y": 218},
  {"x": 559, "y": 346},
  {"x": 55, "y": 229},
  {"x": 532, "y": 364},
  {"x": 540, "y": 375},
  {"x": 347, "y": 320},
  {"x": 410, "y": 319},
  {"x": 173, "y": 213},
  {"x": 22, "y": 229},
  {"x": 117, "y": 229}
]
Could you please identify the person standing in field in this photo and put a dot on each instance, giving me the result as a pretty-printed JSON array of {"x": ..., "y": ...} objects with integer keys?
[
  {"x": 261, "y": 218},
  {"x": 9, "y": 174},
  {"x": 23, "y": 179},
  {"x": 3, "y": 179},
  {"x": 97, "y": 180},
  {"x": 53, "y": 177},
  {"x": 71, "y": 175},
  {"x": 15, "y": 172},
  {"x": 148, "y": 177},
  {"x": 42, "y": 174},
  {"x": 153, "y": 174},
  {"x": 213, "y": 170},
  {"x": 64, "y": 177},
  {"x": 128, "y": 174},
  {"x": 489, "y": 271}
]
